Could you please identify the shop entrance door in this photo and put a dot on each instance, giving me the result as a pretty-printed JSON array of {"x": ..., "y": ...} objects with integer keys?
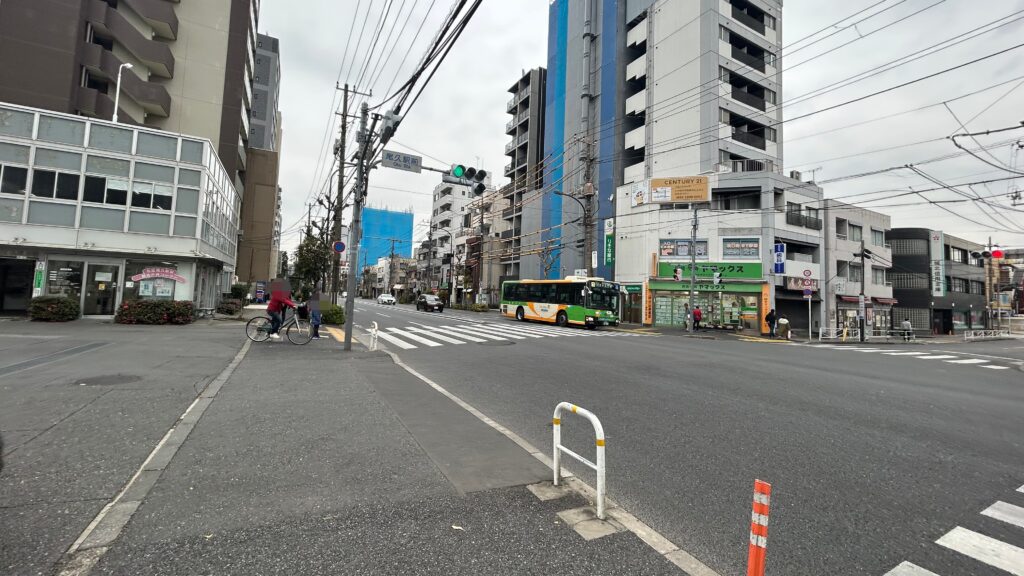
[
  {"x": 100, "y": 290},
  {"x": 15, "y": 284}
]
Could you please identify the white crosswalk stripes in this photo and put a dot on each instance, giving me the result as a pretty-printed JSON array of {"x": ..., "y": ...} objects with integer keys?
[
  {"x": 417, "y": 335},
  {"x": 985, "y": 549},
  {"x": 944, "y": 356},
  {"x": 981, "y": 547},
  {"x": 414, "y": 337},
  {"x": 908, "y": 569}
]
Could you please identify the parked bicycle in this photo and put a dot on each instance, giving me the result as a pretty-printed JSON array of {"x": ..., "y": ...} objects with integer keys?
[{"x": 297, "y": 327}]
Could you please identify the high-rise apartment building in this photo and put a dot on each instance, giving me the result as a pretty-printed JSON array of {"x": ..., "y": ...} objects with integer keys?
[
  {"x": 191, "y": 72},
  {"x": 266, "y": 93},
  {"x": 383, "y": 231},
  {"x": 525, "y": 151},
  {"x": 660, "y": 109}
]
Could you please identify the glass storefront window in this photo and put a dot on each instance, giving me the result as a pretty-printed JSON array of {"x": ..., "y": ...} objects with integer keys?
[
  {"x": 150, "y": 280},
  {"x": 64, "y": 278},
  {"x": 960, "y": 320}
]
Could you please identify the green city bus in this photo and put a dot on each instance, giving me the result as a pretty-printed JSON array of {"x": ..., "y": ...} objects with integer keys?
[{"x": 589, "y": 302}]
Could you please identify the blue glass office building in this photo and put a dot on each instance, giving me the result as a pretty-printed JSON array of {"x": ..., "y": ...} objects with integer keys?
[{"x": 380, "y": 227}]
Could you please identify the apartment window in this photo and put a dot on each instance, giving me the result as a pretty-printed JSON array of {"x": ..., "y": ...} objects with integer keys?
[
  {"x": 16, "y": 123},
  {"x": 811, "y": 212},
  {"x": 856, "y": 273},
  {"x": 61, "y": 130},
  {"x": 723, "y": 33},
  {"x": 959, "y": 285},
  {"x": 13, "y": 179},
  {"x": 977, "y": 287},
  {"x": 724, "y": 116},
  {"x": 842, "y": 269},
  {"x": 769, "y": 21},
  {"x": 50, "y": 184},
  {"x": 879, "y": 276},
  {"x": 770, "y": 134},
  {"x": 769, "y": 59},
  {"x": 113, "y": 191},
  {"x": 878, "y": 237},
  {"x": 909, "y": 247},
  {"x": 856, "y": 233},
  {"x": 723, "y": 74},
  {"x": 770, "y": 96},
  {"x": 958, "y": 255},
  {"x": 793, "y": 207},
  {"x": 113, "y": 139}
]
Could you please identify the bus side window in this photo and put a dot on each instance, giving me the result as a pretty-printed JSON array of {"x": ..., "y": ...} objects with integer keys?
[
  {"x": 506, "y": 291},
  {"x": 520, "y": 293}
]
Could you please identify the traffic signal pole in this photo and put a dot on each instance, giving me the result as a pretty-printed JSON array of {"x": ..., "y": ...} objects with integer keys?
[{"x": 339, "y": 204}]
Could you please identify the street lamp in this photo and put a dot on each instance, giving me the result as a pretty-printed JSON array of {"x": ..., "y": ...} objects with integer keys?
[{"x": 117, "y": 94}]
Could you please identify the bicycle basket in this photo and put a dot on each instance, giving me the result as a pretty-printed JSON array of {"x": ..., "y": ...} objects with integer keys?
[{"x": 303, "y": 312}]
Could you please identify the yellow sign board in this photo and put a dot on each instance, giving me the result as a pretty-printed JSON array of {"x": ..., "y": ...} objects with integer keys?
[{"x": 680, "y": 190}]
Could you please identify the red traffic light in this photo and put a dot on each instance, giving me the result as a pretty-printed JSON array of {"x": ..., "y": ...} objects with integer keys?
[{"x": 997, "y": 253}]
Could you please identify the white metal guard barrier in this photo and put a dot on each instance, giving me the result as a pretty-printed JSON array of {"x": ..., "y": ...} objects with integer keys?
[
  {"x": 558, "y": 449},
  {"x": 985, "y": 334},
  {"x": 373, "y": 336},
  {"x": 827, "y": 333}
]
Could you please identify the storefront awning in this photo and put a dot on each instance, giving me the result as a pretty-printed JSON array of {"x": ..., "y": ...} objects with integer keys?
[
  {"x": 399, "y": 286},
  {"x": 889, "y": 301},
  {"x": 854, "y": 299}
]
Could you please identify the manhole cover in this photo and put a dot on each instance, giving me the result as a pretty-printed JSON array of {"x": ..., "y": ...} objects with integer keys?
[
  {"x": 497, "y": 343},
  {"x": 108, "y": 380}
]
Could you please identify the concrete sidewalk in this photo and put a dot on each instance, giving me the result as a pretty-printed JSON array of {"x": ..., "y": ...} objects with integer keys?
[{"x": 312, "y": 461}]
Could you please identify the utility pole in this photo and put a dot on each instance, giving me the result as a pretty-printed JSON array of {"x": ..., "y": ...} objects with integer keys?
[
  {"x": 863, "y": 278},
  {"x": 430, "y": 258},
  {"x": 339, "y": 204},
  {"x": 693, "y": 266},
  {"x": 391, "y": 267},
  {"x": 363, "y": 139}
]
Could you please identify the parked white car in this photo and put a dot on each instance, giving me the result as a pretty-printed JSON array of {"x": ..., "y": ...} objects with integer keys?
[{"x": 386, "y": 299}]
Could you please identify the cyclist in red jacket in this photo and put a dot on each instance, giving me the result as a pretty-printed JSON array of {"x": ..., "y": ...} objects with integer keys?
[{"x": 279, "y": 300}]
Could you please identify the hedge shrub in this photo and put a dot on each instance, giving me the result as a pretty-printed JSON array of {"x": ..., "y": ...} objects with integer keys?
[
  {"x": 332, "y": 314},
  {"x": 54, "y": 309},
  {"x": 239, "y": 291},
  {"x": 155, "y": 312},
  {"x": 229, "y": 306}
]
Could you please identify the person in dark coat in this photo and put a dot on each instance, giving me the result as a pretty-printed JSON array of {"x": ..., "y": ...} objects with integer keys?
[{"x": 770, "y": 319}]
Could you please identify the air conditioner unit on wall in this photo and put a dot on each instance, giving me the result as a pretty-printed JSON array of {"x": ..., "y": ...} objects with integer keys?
[{"x": 795, "y": 174}]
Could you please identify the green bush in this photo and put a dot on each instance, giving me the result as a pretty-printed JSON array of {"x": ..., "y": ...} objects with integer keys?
[
  {"x": 229, "y": 306},
  {"x": 406, "y": 298},
  {"x": 332, "y": 314},
  {"x": 478, "y": 307},
  {"x": 155, "y": 312},
  {"x": 54, "y": 309},
  {"x": 239, "y": 291}
]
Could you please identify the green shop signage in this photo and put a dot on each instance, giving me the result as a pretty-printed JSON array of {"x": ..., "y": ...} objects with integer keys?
[
  {"x": 726, "y": 270},
  {"x": 704, "y": 287}
]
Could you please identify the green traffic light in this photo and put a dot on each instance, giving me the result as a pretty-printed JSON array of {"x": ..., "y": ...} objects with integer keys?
[{"x": 458, "y": 170}]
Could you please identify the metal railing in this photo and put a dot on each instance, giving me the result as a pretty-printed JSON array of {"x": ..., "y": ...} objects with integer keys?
[
  {"x": 832, "y": 333},
  {"x": 973, "y": 335},
  {"x": 558, "y": 449}
]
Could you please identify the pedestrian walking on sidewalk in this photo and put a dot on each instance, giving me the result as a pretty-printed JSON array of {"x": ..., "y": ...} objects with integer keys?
[
  {"x": 784, "y": 327},
  {"x": 908, "y": 329},
  {"x": 697, "y": 316},
  {"x": 315, "y": 315},
  {"x": 770, "y": 319}
]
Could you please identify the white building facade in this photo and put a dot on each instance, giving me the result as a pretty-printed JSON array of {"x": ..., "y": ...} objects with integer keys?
[
  {"x": 847, "y": 229},
  {"x": 104, "y": 213}
]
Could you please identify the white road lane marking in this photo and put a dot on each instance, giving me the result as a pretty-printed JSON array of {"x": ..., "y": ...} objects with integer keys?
[
  {"x": 939, "y": 357},
  {"x": 413, "y": 337},
  {"x": 985, "y": 549},
  {"x": 508, "y": 331},
  {"x": 967, "y": 361},
  {"x": 904, "y": 353},
  {"x": 521, "y": 330},
  {"x": 397, "y": 342},
  {"x": 436, "y": 329},
  {"x": 382, "y": 314},
  {"x": 1006, "y": 512},
  {"x": 436, "y": 335},
  {"x": 995, "y": 367},
  {"x": 908, "y": 569}
]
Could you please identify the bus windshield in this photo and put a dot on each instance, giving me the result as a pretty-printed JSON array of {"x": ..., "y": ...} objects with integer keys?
[{"x": 603, "y": 296}]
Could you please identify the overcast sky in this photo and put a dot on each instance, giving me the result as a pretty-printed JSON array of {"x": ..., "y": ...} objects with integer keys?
[{"x": 461, "y": 115}]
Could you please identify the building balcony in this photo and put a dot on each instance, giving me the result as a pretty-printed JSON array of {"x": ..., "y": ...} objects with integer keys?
[
  {"x": 749, "y": 99},
  {"x": 636, "y": 138},
  {"x": 637, "y": 68},
  {"x": 637, "y": 34},
  {"x": 510, "y": 126},
  {"x": 109, "y": 22},
  {"x": 509, "y": 169},
  {"x": 755, "y": 24},
  {"x": 797, "y": 219},
  {"x": 633, "y": 173},
  {"x": 159, "y": 15},
  {"x": 637, "y": 103},
  {"x": 102, "y": 63},
  {"x": 512, "y": 104},
  {"x": 510, "y": 147},
  {"x": 753, "y": 165},
  {"x": 509, "y": 213},
  {"x": 757, "y": 63},
  {"x": 507, "y": 234},
  {"x": 750, "y": 139}
]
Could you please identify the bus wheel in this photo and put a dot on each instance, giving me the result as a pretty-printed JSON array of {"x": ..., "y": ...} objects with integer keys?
[
  {"x": 520, "y": 314},
  {"x": 591, "y": 326},
  {"x": 561, "y": 319}
]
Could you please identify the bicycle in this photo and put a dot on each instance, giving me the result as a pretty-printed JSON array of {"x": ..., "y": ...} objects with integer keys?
[{"x": 298, "y": 330}]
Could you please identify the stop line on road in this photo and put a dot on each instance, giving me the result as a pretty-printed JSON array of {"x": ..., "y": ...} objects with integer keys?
[
  {"x": 416, "y": 335},
  {"x": 947, "y": 358}
]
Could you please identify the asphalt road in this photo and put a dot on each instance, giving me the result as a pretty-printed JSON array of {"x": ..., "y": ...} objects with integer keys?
[{"x": 874, "y": 453}]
